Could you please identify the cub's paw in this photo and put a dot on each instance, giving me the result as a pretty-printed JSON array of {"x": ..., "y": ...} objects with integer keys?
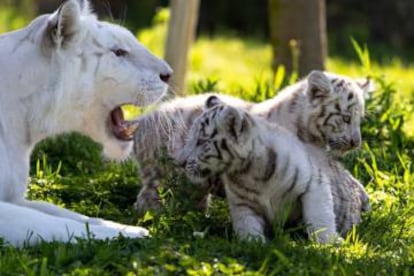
[
  {"x": 147, "y": 199},
  {"x": 326, "y": 238},
  {"x": 135, "y": 232}
]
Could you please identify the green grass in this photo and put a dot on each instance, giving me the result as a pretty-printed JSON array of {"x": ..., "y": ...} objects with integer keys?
[
  {"x": 73, "y": 175},
  {"x": 78, "y": 179}
]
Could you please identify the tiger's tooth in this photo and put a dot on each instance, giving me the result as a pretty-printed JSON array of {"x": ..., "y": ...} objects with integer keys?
[{"x": 130, "y": 127}]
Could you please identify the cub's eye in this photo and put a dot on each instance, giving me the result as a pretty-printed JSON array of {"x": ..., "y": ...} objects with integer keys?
[
  {"x": 199, "y": 142},
  {"x": 119, "y": 52},
  {"x": 347, "y": 119},
  {"x": 202, "y": 141}
]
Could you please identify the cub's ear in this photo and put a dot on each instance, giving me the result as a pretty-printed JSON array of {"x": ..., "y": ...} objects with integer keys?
[
  {"x": 64, "y": 25},
  {"x": 367, "y": 85},
  {"x": 213, "y": 100},
  {"x": 319, "y": 85},
  {"x": 236, "y": 123}
]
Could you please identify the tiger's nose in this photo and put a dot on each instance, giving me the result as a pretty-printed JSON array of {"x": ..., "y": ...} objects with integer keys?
[
  {"x": 353, "y": 143},
  {"x": 165, "y": 77},
  {"x": 356, "y": 139}
]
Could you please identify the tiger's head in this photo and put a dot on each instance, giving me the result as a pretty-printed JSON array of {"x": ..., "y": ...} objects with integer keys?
[
  {"x": 219, "y": 140},
  {"x": 73, "y": 72},
  {"x": 334, "y": 108}
]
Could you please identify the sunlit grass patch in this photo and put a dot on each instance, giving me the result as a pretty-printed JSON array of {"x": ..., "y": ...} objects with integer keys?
[{"x": 234, "y": 63}]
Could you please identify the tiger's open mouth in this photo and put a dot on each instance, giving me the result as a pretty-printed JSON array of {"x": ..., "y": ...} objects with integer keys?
[{"x": 122, "y": 129}]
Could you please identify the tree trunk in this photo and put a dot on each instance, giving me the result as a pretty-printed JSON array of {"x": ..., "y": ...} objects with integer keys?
[
  {"x": 181, "y": 30},
  {"x": 298, "y": 34}
]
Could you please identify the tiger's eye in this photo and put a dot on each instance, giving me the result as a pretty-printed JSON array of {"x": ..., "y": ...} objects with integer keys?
[
  {"x": 119, "y": 52},
  {"x": 347, "y": 119},
  {"x": 200, "y": 141}
]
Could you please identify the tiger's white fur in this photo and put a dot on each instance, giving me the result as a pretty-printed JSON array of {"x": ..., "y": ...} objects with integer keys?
[
  {"x": 264, "y": 168},
  {"x": 67, "y": 71},
  {"x": 304, "y": 108}
]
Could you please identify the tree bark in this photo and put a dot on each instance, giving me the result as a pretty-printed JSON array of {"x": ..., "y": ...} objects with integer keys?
[
  {"x": 181, "y": 30},
  {"x": 298, "y": 34}
]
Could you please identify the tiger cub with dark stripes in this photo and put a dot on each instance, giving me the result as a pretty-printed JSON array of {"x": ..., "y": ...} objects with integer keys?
[
  {"x": 323, "y": 109},
  {"x": 265, "y": 168}
]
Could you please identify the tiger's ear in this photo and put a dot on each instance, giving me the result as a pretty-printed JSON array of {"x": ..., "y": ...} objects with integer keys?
[
  {"x": 237, "y": 124},
  {"x": 367, "y": 85},
  {"x": 213, "y": 100},
  {"x": 64, "y": 25},
  {"x": 319, "y": 85}
]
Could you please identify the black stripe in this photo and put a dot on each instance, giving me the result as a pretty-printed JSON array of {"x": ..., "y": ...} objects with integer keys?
[
  {"x": 293, "y": 103},
  {"x": 219, "y": 156},
  {"x": 322, "y": 113},
  {"x": 349, "y": 106},
  {"x": 293, "y": 184},
  {"x": 205, "y": 172},
  {"x": 246, "y": 189},
  {"x": 308, "y": 184},
  {"x": 270, "y": 165},
  {"x": 225, "y": 147},
  {"x": 285, "y": 167},
  {"x": 319, "y": 176},
  {"x": 215, "y": 132},
  {"x": 239, "y": 180},
  {"x": 231, "y": 124},
  {"x": 270, "y": 113},
  {"x": 329, "y": 116},
  {"x": 338, "y": 107},
  {"x": 208, "y": 156},
  {"x": 246, "y": 166}
]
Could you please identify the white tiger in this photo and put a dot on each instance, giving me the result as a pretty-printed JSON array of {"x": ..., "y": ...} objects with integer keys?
[
  {"x": 67, "y": 71},
  {"x": 324, "y": 109},
  {"x": 264, "y": 168}
]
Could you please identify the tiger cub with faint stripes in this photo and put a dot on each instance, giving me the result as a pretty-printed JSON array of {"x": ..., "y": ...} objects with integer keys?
[
  {"x": 265, "y": 168},
  {"x": 323, "y": 109}
]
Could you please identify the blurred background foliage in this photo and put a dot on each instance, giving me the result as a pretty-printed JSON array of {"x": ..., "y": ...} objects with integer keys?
[
  {"x": 233, "y": 49},
  {"x": 383, "y": 23}
]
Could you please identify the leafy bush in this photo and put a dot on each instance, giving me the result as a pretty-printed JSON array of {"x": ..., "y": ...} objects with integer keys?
[{"x": 74, "y": 153}]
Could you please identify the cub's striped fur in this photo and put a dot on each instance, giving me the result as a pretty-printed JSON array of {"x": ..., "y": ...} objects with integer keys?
[
  {"x": 265, "y": 168},
  {"x": 324, "y": 109}
]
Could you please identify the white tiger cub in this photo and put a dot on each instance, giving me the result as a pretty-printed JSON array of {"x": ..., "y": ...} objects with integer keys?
[
  {"x": 324, "y": 109},
  {"x": 67, "y": 71},
  {"x": 264, "y": 168}
]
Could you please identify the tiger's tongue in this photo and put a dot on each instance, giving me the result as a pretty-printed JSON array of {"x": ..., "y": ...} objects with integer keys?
[{"x": 122, "y": 129}]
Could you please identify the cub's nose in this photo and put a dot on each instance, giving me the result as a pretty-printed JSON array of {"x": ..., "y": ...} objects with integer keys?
[{"x": 356, "y": 139}]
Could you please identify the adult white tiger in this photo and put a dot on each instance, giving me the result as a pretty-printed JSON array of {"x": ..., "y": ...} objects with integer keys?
[{"x": 67, "y": 71}]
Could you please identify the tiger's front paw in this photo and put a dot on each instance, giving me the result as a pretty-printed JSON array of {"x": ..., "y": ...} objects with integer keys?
[
  {"x": 147, "y": 199},
  {"x": 326, "y": 237},
  {"x": 134, "y": 232}
]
